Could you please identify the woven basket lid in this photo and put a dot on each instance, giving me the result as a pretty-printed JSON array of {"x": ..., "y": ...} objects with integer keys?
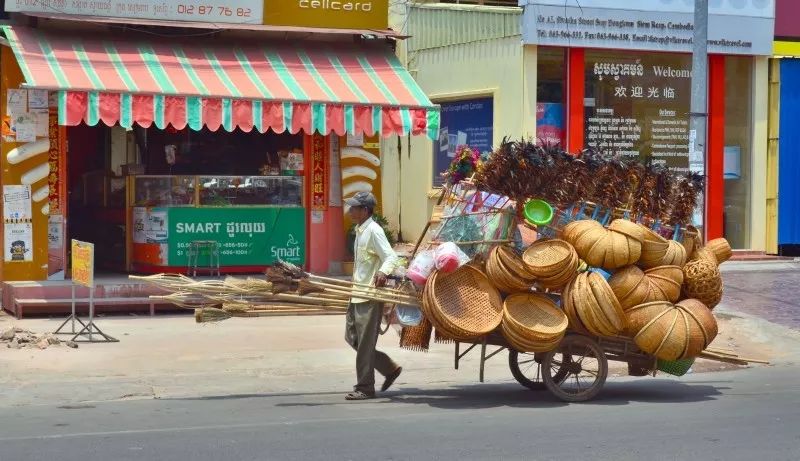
[
  {"x": 608, "y": 302},
  {"x": 587, "y": 239},
  {"x": 544, "y": 258},
  {"x": 628, "y": 228},
  {"x": 465, "y": 300},
  {"x": 673, "y": 273},
  {"x": 522, "y": 343},
  {"x": 567, "y": 296},
  {"x": 503, "y": 277},
  {"x": 595, "y": 256},
  {"x": 625, "y": 280},
  {"x": 675, "y": 256},
  {"x": 572, "y": 231},
  {"x": 536, "y": 313}
]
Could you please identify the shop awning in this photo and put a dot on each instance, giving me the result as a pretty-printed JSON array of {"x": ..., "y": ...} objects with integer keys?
[{"x": 323, "y": 87}]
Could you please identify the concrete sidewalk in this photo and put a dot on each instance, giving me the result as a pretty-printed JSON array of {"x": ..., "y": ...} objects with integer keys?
[{"x": 171, "y": 356}]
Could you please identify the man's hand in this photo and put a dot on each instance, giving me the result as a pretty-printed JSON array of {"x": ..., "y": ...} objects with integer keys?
[{"x": 380, "y": 280}]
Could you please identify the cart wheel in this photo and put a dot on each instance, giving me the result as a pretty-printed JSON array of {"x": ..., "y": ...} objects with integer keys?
[
  {"x": 576, "y": 371},
  {"x": 527, "y": 369}
]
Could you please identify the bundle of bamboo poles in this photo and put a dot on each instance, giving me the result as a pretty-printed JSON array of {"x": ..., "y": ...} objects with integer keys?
[{"x": 285, "y": 290}]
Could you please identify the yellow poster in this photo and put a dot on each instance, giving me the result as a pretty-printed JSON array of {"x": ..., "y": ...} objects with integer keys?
[{"x": 83, "y": 263}]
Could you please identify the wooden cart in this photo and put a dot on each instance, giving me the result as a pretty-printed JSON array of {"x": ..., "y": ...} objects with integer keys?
[{"x": 574, "y": 372}]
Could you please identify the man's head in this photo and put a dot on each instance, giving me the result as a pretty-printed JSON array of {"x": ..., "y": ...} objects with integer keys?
[{"x": 360, "y": 206}]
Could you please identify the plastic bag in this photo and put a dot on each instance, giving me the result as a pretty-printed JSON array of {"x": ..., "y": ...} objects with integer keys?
[
  {"x": 421, "y": 267},
  {"x": 449, "y": 257}
]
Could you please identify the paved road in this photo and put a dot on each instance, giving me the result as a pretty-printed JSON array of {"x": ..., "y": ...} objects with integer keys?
[
  {"x": 771, "y": 295},
  {"x": 744, "y": 415}
]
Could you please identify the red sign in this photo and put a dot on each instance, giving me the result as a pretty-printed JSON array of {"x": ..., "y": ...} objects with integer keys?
[
  {"x": 54, "y": 159},
  {"x": 319, "y": 173}
]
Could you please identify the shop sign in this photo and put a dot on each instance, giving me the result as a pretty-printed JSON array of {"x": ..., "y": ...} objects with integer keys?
[
  {"x": 334, "y": 14},
  {"x": 466, "y": 122},
  {"x": 256, "y": 236},
  {"x": 54, "y": 160},
  {"x": 549, "y": 123},
  {"x": 638, "y": 105},
  {"x": 82, "y": 263},
  {"x": 216, "y": 11},
  {"x": 319, "y": 174},
  {"x": 733, "y": 26}
]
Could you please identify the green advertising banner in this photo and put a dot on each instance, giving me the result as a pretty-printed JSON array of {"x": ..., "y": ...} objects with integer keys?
[{"x": 249, "y": 236}]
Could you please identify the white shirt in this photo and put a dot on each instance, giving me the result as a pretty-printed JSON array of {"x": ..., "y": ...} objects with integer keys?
[{"x": 372, "y": 254}]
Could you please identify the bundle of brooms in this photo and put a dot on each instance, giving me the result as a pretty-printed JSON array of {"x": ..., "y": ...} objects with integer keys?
[{"x": 286, "y": 289}]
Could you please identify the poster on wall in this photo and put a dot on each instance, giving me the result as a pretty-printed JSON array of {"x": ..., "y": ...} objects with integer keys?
[
  {"x": 17, "y": 203},
  {"x": 319, "y": 174},
  {"x": 466, "y": 122},
  {"x": 638, "y": 106},
  {"x": 18, "y": 242},
  {"x": 549, "y": 123}
]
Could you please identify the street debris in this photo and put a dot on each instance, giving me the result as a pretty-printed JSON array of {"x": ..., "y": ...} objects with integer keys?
[{"x": 19, "y": 338}]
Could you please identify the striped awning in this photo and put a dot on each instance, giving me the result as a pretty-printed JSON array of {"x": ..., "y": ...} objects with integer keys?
[{"x": 322, "y": 88}]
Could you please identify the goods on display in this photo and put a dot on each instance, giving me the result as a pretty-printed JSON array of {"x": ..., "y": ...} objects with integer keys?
[{"x": 619, "y": 273}]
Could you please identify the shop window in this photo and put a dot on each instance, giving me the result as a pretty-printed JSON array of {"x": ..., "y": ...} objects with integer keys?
[
  {"x": 738, "y": 153},
  {"x": 465, "y": 122},
  {"x": 551, "y": 96},
  {"x": 637, "y": 105}
]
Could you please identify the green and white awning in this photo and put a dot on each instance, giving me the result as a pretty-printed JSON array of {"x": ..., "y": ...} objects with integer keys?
[{"x": 320, "y": 88}]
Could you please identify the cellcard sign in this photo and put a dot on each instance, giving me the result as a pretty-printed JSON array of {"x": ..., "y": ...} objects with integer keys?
[
  {"x": 467, "y": 122},
  {"x": 734, "y": 26}
]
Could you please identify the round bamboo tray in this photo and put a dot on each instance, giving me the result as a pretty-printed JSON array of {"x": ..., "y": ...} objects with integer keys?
[
  {"x": 574, "y": 230},
  {"x": 668, "y": 279},
  {"x": 535, "y": 317},
  {"x": 654, "y": 248},
  {"x": 702, "y": 281},
  {"x": 504, "y": 277},
  {"x": 567, "y": 296},
  {"x": 522, "y": 344},
  {"x": 513, "y": 263},
  {"x": 548, "y": 258},
  {"x": 465, "y": 303},
  {"x": 721, "y": 249},
  {"x": 589, "y": 310}
]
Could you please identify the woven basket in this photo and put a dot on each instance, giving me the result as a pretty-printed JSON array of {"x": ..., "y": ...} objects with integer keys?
[
  {"x": 548, "y": 258},
  {"x": 522, "y": 344},
  {"x": 721, "y": 249},
  {"x": 609, "y": 305},
  {"x": 535, "y": 317},
  {"x": 590, "y": 312},
  {"x": 706, "y": 323},
  {"x": 628, "y": 228},
  {"x": 503, "y": 277},
  {"x": 675, "y": 367},
  {"x": 701, "y": 253},
  {"x": 642, "y": 314},
  {"x": 574, "y": 230},
  {"x": 675, "y": 256},
  {"x": 567, "y": 303},
  {"x": 624, "y": 282},
  {"x": 702, "y": 281},
  {"x": 668, "y": 279},
  {"x": 654, "y": 248},
  {"x": 665, "y": 337},
  {"x": 513, "y": 263},
  {"x": 465, "y": 303}
]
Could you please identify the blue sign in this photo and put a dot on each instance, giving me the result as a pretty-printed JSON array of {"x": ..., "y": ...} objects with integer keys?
[{"x": 466, "y": 122}]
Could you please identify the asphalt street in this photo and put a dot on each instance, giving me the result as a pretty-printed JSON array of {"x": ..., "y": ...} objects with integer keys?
[{"x": 739, "y": 415}]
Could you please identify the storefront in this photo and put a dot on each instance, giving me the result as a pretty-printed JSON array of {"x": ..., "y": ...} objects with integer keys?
[
  {"x": 783, "y": 164},
  {"x": 154, "y": 147},
  {"x": 594, "y": 74}
]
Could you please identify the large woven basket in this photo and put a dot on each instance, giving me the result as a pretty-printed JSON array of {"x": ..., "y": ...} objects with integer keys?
[
  {"x": 675, "y": 256},
  {"x": 667, "y": 279},
  {"x": 654, "y": 248},
  {"x": 547, "y": 258},
  {"x": 465, "y": 303},
  {"x": 507, "y": 272},
  {"x": 704, "y": 329}
]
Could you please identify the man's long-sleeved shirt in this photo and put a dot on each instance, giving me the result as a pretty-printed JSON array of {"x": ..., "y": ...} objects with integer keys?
[{"x": 372, "y": 254}]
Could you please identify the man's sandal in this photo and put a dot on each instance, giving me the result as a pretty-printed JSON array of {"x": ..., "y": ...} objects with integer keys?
[{"x": 358, "y": 395}]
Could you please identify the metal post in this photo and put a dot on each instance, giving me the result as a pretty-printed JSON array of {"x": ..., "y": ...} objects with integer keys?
[{"x": 698, "y": 112}]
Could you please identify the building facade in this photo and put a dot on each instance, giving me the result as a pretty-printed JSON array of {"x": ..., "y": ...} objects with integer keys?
[
  {"x": 166, "y": 132},
  {"x": 596, "y": 74}
]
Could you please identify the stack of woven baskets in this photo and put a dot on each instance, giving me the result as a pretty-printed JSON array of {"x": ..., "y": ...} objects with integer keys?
[
  {"x": 507, "y": 271},
  {"x": 532, "y": 322},
  {"x": 463, "y": 304},
  {"x": 553, "y": 263},
  {"x": 592, "y": 307}
]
